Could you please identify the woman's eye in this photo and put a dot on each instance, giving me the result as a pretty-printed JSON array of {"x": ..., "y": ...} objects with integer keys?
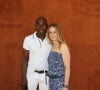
[{"x": 50, "y": 32}]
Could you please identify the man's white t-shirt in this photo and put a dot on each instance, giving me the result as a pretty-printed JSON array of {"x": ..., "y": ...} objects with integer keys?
[{"x": 38, "y": 52}]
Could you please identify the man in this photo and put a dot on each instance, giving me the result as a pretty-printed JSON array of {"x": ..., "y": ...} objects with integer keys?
[{"x": 35, "y": 53}]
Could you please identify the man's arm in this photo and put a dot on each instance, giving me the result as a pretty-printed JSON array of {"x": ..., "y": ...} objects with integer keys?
[{"x": 24, "y": 67}]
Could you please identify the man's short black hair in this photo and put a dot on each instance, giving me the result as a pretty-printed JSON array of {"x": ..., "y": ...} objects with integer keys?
[{"x": 43, "y": 18}]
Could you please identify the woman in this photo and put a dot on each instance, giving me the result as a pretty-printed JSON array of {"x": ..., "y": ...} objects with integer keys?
[{"x": 58, "y": 60}]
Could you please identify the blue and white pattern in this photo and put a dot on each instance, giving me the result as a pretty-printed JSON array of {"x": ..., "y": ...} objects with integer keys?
[{"x": 56, "y": 67}]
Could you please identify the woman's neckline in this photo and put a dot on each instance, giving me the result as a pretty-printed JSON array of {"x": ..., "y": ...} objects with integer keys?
[{"x": 56, "y": 52}]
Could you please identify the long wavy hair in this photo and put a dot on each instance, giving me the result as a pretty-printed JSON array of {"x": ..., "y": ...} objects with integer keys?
[{"x": 60, "y": 36}]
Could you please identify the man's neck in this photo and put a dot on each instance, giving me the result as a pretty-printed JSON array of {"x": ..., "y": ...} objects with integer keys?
[{"x": 41, "y": 36}]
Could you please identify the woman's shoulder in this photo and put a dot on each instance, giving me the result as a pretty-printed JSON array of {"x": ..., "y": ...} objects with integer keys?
[{"x": 64, "y": 47}]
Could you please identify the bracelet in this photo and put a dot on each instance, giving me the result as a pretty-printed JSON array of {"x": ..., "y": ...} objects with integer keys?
[{"x": 66, "y": 86}]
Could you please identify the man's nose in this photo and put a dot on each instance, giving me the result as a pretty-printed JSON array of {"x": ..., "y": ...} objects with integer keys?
[{"x": 41, "y": 26}]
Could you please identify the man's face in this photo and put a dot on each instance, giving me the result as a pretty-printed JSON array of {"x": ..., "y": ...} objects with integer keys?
[{"x": 41, "y": 26}]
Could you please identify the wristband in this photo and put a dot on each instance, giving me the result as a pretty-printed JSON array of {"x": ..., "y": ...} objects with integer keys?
[{"x": 66, "y": 86}]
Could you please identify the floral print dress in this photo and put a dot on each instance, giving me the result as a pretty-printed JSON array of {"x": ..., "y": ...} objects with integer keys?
[{"x": 56, "y": 70}]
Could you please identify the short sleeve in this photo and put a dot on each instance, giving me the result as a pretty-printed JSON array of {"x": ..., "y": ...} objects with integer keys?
[{"x": 25, "y": 44}]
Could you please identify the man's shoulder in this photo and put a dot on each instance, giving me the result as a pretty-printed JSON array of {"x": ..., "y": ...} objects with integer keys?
[{"x": 29, "y": 36}]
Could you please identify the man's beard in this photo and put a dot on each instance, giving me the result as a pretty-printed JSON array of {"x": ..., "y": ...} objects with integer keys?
[{"x": 41, "y": 32}]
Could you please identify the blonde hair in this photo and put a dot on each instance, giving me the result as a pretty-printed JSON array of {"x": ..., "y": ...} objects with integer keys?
[{"x": 60, "y": 37}]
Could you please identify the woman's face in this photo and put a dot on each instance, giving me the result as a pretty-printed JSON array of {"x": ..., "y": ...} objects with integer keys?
[{"x": 53, "y": 34}]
